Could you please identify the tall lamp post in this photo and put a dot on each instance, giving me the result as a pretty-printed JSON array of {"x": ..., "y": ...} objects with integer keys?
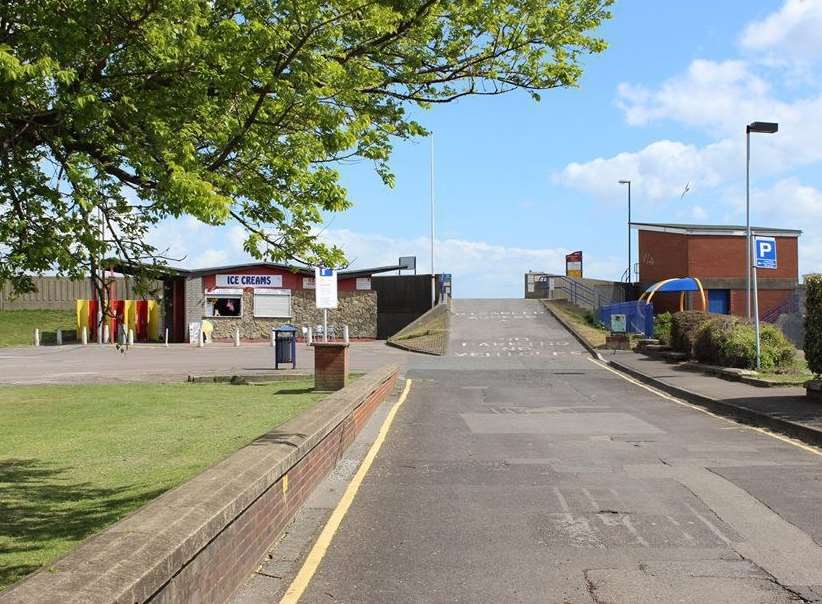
[
  {"x": 762, "y": 128},
  {"x": 628, "y": 182}
]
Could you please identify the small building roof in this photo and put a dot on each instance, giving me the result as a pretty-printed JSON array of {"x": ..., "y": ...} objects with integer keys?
[{"x": 713, "y": 229}]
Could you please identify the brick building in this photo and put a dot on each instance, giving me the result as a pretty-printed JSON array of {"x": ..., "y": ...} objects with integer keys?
[{"x": 716, "y": 256}]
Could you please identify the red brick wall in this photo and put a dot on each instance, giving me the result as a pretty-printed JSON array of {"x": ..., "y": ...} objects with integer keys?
[
  {"x": 724, "y": 257},
  {"x": 662, "y": 256}
]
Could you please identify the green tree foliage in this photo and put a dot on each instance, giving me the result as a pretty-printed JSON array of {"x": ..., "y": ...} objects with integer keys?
[
  {"x": 813, "y": 323},
  {"x": 132, "y": 111},
  {"x": 662, "y": 327}
]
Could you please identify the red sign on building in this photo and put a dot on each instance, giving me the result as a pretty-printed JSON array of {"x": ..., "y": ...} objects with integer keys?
[{"x": 573, "y": 265}]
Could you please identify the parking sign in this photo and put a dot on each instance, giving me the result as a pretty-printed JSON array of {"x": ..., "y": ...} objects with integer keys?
[{"x": 765, "y": 252}]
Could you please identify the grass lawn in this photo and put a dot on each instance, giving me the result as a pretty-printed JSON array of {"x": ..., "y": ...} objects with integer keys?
[
  {"x": 595, "y": 336},
  {"x": 75, "y": 459},
  {"x": 17, "y": 326}
]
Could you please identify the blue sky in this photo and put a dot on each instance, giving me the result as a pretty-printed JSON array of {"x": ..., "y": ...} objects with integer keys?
[{"x": 520, "y": 183}]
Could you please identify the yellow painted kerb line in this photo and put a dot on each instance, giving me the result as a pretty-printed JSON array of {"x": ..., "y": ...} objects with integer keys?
[
  {"x": 315, "y": 556},
  {"x": 666, "y": 396}
]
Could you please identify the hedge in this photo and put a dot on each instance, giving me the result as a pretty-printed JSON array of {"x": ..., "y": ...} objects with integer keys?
[
  {"x": 684, "y": 327},
  {"x": 731, "y": 342},
  {"x": 662, "y": 327},
  {"x": 813, "y": 323}
]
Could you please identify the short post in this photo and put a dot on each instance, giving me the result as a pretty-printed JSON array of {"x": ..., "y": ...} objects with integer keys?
[
  {"x": 237, "y": 337},
  {"x": 166, "y": 337},
  {"x": 59, "y": 337},
  {"x": 84, "y": 336},
  {"x": 345, "y": 334},
  {"x": 309, "y": 336},
  {"x": 131, "y": 337},
  {"x": 330, "y": 365},
  {"x": 273, "y": 343},
  {"x": 201, "y": 339},
  {"x": 105, "y": 333},
  {"x": 37, "y": 337}
]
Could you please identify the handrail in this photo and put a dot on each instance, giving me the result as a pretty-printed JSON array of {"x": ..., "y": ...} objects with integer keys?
[
  {"x": 577, "y": 291},
  {"x": 790, "y": 305}
]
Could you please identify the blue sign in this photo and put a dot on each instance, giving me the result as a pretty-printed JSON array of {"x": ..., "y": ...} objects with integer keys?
[
  {"x": 765, "y": 252},
  {"x": 326, "y": 272}
]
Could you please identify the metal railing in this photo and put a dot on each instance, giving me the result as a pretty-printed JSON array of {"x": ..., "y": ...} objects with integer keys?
[
  {"x": 577, "y": 292},
  {"x": 791, "y": 305}
]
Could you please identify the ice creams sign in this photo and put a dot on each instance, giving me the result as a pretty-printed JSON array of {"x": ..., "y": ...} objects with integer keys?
[{"x": 250, "y": 281}]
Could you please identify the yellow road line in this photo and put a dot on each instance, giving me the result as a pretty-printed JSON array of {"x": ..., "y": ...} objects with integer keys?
[
  {"x": 315, "y": 556},
  {"x": 666, "y": 396}
]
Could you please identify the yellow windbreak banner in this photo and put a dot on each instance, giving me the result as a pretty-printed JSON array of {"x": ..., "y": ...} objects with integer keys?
[{"x": 153, "y": 320}]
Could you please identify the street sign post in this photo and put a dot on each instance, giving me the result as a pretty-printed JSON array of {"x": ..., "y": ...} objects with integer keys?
[
  {"x": 764, "y": 256},
  {"x": 325, "y": 288}
]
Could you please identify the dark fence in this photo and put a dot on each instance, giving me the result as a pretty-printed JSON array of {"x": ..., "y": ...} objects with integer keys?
[
  {"x": 639, "y": 316},
  {"x": 400, "y": 300}
]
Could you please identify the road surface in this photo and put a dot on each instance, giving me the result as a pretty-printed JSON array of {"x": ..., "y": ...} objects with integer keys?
[{"x": 519, "y": 470}]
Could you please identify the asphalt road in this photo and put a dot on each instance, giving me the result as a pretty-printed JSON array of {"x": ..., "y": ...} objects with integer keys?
[{"x": 518, "y": 470}]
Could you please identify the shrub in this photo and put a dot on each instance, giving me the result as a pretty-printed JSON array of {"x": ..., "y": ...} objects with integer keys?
[
  {"x": 813, "y": 323},
  {"x": 662, "y": 327},
  {"x": 684, "y": 327},
  {"x": 731, "y": 342}
]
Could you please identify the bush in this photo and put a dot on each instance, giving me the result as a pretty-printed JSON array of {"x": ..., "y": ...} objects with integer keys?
[
  {"x": 662, "y": 327},
  {"x": 731, "y": 342},
  {"x": 813, "y": 323},
  {"x": 684, "y": 327}
]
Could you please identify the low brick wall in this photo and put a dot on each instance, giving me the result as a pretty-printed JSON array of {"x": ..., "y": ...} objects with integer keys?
[{"x": 200, "y": 541}]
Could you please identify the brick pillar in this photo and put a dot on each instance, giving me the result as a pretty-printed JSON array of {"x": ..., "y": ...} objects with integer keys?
[{"x": 330, "y": 365}]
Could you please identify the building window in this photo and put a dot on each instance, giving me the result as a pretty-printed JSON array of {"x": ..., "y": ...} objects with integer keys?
[
  {"x": 273, "y": 303},
  {"x": 224, "y": 303}
]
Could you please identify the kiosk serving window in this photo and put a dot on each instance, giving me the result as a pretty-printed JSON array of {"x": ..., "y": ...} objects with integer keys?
[
  {"x": 224, "y": 303},
  {"x": 272, "y": 303}
]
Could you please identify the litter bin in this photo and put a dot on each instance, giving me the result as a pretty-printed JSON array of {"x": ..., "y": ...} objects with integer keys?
[{"x": 285, "y": 346}]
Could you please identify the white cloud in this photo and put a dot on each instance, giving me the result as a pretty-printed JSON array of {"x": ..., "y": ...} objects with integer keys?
[
  {"x": 711, "y": 95},
  {"x": 658, "y": 171},
  {"x": 792, "y": 32}
]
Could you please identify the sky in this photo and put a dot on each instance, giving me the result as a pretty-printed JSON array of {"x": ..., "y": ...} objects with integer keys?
[{"x": 519, "y": 183}]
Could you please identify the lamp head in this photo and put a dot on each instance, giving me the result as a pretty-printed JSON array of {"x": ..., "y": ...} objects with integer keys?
[{"x": 763, "y": 127}]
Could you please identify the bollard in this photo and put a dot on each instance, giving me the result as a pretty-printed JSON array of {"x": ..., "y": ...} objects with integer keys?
[
  {"x": 345, "y": 334},
  {"x": 201, "y": 341},
  {"x": 84, "y": 336},
  {"x": 166, "y": 337},
  {"x": 37, "y": 337},
  {"x": 273, "y": 337},
  {"x": 309, "y": 337},
  {"x": 131, "y": 337},
  {"x": 105, "y": 333},
  {"x": 59, "y": 337},
  {"x": 237, "y": 338}
]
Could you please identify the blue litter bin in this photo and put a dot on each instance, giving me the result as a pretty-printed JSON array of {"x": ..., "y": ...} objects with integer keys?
[{"x": 285, "y": 346}]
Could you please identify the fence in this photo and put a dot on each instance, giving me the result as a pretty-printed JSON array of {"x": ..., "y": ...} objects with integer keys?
[
  {"x": 59, "y": 293},
  {"x": 639, "y": 316}
]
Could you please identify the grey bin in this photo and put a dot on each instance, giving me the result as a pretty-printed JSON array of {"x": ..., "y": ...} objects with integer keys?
[{"x": 285, "y": 346}]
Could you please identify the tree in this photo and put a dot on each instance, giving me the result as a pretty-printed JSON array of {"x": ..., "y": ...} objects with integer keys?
[{"x": 116, "y": 114}]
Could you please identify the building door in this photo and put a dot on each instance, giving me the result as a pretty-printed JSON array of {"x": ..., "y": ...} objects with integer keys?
[{"x": 719, "y": 301}]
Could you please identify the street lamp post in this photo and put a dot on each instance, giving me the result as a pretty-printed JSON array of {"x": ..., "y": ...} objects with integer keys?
[
  {"x": 762, "y": 128},
  {"x": 628, "y": 182}
]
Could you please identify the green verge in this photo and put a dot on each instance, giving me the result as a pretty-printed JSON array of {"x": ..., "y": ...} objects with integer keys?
[
  {"x": 428, "y": 334},
  {"x": 17, "y": 326},
  {"x": 75, "y": 459},
  {"x": 582, "y": 321}
]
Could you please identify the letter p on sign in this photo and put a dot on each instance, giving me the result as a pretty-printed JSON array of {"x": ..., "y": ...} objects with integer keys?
[{"x": 765, "y": 252}]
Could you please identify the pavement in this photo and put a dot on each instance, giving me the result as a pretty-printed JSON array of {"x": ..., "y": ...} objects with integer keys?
[
  {"x": 782, "y": 408},
  {"x": 75, "y": 364},
  {"x": 521, "y": 470}
]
